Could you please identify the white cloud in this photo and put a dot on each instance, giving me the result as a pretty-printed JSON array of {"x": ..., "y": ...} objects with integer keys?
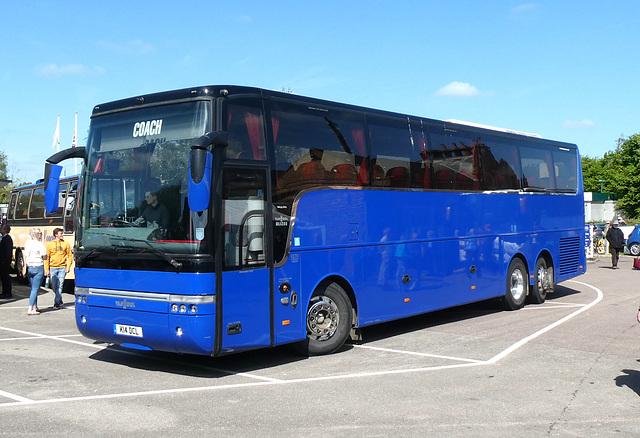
[
  {"x": 69, "y": 69},
  {"x": 136, "y": 46},
  {"x": 523, "y": 10},
  {"x": 582, "y": 124},
  {"x": 458, "y": 89}
]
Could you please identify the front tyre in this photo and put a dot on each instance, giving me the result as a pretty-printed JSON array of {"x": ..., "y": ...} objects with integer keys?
[
  {"x": 329, "y": 320},
  {"x": 517, "y": 286}
]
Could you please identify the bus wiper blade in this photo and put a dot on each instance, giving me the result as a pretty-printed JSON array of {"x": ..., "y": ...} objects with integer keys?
[
  {"x": 176, "y": 264},
  {"x": 91, "y": 254}
]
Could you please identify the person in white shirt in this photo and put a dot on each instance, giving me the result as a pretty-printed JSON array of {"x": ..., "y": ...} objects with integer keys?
[{"x": 35, "y": 254}]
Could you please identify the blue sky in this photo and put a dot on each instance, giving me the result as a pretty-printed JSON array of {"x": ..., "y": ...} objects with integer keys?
[{"x": 567, "y": 70}]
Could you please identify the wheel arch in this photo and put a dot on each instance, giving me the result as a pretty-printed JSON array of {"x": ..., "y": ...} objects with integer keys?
[{"x": 346, "y": 286}]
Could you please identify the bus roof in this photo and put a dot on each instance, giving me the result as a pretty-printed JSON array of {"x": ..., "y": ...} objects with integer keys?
[{"x": 214, "y": 91}]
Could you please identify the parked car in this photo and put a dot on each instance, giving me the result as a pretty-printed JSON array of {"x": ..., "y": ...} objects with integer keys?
[{"x": 633, "y": 241}]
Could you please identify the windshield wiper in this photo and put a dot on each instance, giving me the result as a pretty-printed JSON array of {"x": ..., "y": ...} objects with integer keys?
[
  {"x": 90, "y": 254},
  {"x": 164, "y": 256}
]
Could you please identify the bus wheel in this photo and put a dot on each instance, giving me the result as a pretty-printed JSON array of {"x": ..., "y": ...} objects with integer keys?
[
  {"x": 328, "y": 320},
  {"x": 517, "y": 285},
  {"x": 19, "y": 267},
  {"x": 541, "y": 285}
]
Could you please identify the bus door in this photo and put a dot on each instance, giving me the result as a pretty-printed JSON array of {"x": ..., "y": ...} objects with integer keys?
[{"x": 246, "y": 313}]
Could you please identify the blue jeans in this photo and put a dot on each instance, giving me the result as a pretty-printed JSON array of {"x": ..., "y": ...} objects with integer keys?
[
  {"x": 57, "y": 281},
  {"x": 35, "y": 275}
]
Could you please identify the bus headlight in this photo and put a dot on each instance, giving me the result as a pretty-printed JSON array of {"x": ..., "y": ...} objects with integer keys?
[{"x": 174, "y": 308}]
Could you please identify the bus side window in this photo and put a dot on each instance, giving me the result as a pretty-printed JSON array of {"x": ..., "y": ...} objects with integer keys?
[
  {"x": 70, "y": 205},
  {"x": 566, "y": 170},
  {"x": 500, "y": 164},
  {"x": 36, "y": 208},
  {"x": 22, "y": 208},
  {"x": 391, "y": 149},
  {"x": 12, "y": 206},
  {"x": 314, "y": 147},
  {"x": 245, "y": 125},
  {"x": 456, "y": 159},
  {"x": 537, "y": 168}
]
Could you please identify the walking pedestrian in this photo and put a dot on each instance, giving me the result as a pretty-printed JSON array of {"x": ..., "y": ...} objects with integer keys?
[
  {"x": 615, "y": 237},
  {"x": 35, "y": 254},
  {"x": 6, "y": 255},
  {"x": 58, "y": 264}
]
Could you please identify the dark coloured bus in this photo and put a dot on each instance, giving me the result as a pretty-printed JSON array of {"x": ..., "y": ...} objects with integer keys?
[{"x": 220, "y": 219}]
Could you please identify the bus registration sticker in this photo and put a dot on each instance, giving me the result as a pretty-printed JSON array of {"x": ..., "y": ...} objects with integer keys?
[{"x": 128, "y": 330}]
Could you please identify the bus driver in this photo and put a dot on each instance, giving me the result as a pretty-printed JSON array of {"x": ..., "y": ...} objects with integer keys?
[{"x": 154, "y": 212}]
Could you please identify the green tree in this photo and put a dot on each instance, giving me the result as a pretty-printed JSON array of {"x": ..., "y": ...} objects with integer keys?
[
  {"x": 4, "y": 174},
  {"x": 627, "y": 162},
  {"x": 620, "y": 172}
]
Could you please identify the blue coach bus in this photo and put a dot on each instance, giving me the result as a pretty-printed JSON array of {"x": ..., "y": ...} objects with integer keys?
[{"x": 220, "y": 219}]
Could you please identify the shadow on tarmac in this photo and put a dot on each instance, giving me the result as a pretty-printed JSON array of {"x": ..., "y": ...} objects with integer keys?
[
  {"x": 631, "y": 379},
  {"x": 215, "y": 367}
]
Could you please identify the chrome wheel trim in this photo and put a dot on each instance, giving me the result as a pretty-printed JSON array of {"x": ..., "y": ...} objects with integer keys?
[{"x": 322, "y": 318}]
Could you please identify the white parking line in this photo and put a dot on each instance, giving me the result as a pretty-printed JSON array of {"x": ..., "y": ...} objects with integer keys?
[
  {"x": 21, "y": 401},
  {"x": 24, "y": 338},
  {"x": 414, "y": 353}
]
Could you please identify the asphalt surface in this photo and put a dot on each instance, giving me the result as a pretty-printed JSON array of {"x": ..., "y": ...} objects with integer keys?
[{"x": 569, "y": 367}]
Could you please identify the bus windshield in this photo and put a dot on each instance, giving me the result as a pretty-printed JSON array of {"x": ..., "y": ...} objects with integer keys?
[{"x": 135, "y": 183}]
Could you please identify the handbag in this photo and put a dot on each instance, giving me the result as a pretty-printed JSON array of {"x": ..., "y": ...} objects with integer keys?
[{"x": 636, "y": 263}]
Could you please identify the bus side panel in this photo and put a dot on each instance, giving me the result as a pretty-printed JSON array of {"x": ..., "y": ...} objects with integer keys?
[
  {"x": 430, "y": 250},
  {"x": 289, "y": 319}
]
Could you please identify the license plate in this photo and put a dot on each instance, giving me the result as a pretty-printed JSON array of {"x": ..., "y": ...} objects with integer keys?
[{"x": 129, "y": 330}]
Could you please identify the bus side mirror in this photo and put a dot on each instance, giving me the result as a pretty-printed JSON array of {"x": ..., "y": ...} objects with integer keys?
[
  {"x": 51, "y": 186},
  {"x": 201, "y": 169}
]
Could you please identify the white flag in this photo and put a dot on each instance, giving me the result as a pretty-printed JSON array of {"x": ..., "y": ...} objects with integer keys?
[
  {"x": 74, "y": 142},
  {"x": 56, "y": 136}
]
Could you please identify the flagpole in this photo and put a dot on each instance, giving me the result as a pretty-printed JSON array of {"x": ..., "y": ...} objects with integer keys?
[{"x": 56, "y": 135}]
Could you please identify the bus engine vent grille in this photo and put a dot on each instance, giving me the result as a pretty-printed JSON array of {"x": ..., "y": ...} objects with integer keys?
[{"x": 569, "y": 255}]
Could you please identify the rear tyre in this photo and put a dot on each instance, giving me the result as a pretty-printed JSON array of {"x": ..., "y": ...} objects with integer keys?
[
  {"x": 328, "y": 321},
  {"x": 19, "y": 267},
  {"x": 539, "y": 290},
  {"x": 517, "y": 286},
  {"x": 634, "y": 249}
]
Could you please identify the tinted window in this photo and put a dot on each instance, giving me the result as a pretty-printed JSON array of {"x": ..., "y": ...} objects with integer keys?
[
  {"x": 392, "y": 148},
  {"x": 315, "y": 147},
  {"x": 36, "y": 209},
  {"x": 245, "y": 124},
  {"x": 455, "y": 157},
  {"x": 565, "y": 163},
  {"x": 22, "y": 208},
  {"x": 12, "y": 205},
  {"x": 500, "y": 165},
  {"x": 537, "y": 165}
]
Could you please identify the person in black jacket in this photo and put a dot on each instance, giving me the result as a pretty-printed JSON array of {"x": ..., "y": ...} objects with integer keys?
[
  {"x": 616, "y": 243},
  {"x": 6, "y": 254}
]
